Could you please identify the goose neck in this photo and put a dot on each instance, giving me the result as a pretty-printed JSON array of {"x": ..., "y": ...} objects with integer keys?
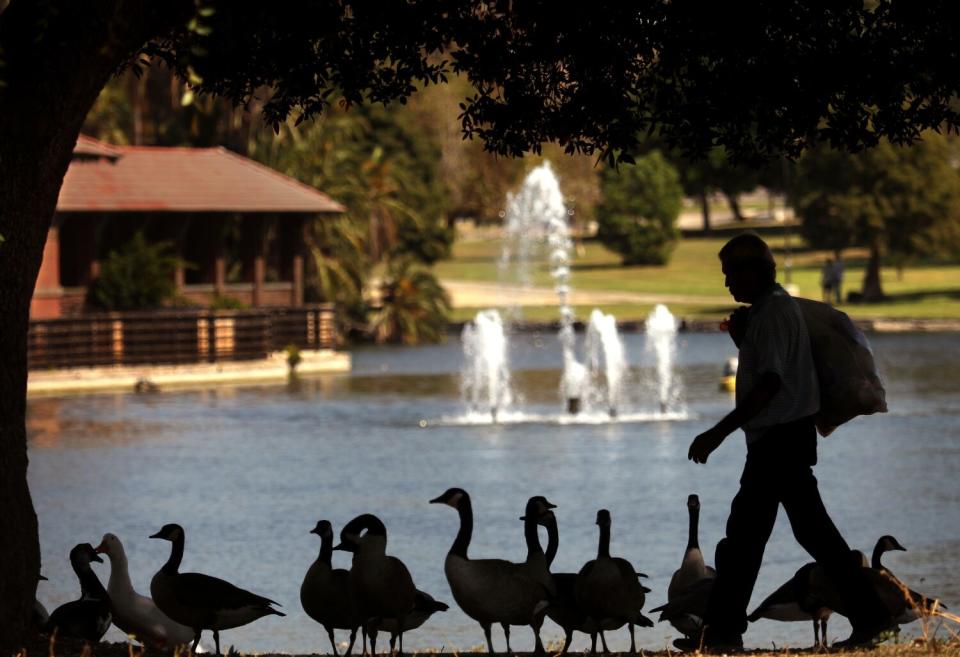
[
  {"x": 176, "y": 556},
  {"x": 326, "y": 550},
  {"x": 462, "y": 542},
  {"x": 603, "y": 548},
  {"x": 531, "y": 536},
  {"x": 119, "y": 571},
  {"x": 553, "y": 540},
  {"x": 693, "y": 541},
  {"x": 90, "y": 586},
  {"x": 875, "y": 559}
]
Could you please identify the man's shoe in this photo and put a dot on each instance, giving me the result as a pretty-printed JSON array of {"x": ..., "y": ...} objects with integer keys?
[{"x": 713, "y": 645}]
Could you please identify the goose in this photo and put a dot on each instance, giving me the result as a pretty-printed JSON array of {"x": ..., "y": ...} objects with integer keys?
[
  {"x": 804, "y": 597},
  {"x": 89, "y": 617},
  {"x": 689, "y": 577},
  {"x": 423, "y": 608},
  {"x": 39, "y": 615},
  {"x": 495, "y": 590},
  {"x": 199, "y": 601},
  {"x": 382, "y": 584},
  {"x": 904, "y": 604},
  {"x": 564, "y": 610},
  {"x": 326, "y": 595},
  {"x": 133, "y": 613},
  {"x": 608, "y": 588}
]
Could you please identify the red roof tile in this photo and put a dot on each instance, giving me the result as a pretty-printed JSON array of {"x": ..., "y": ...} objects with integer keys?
[{"x": 107, "y": 178}]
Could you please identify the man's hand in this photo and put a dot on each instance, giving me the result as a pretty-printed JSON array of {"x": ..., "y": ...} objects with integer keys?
[{"x": 704, "y": 444}]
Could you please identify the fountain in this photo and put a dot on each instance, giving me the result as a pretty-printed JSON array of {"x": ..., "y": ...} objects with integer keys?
[
  {"x": 661, "y": 327},
  {"x": 486, "y": 377},
  {"x": 593, "y": 389}
]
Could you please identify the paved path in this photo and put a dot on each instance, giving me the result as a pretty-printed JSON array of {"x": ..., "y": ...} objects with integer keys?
[{"x": 467, "y": 294}]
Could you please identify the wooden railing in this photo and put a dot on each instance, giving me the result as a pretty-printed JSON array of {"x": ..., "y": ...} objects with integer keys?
[{"x": 182, "y": 336}]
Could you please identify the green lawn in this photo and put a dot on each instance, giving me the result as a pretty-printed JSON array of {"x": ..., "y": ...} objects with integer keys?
[{"x": 925, "y": 290}]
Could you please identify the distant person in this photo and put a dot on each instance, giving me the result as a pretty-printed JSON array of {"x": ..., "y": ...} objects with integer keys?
[
  {"x": 838, "y": 278},
  {"x": 777, "y": 396},
  {"x": 828, "y": 277}
]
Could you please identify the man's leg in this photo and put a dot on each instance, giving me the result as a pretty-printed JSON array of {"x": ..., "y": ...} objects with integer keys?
[
  {"x": 819, "y": 536},
  {"x": 752, "y": 516}
]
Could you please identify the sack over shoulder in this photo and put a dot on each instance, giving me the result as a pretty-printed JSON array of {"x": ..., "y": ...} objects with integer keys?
[{"x": 849, "y": 382}]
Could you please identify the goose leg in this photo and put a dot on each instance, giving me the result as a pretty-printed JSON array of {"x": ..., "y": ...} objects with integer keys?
[
  {"x": 566, "y": 641},
  {"x": 486, "y": 633},
  {"x": 196, "y": 641},
  {"x": 400, "y": 654},
  {"x": 816, "y": 634},
  {"x": 593, "y": 643},
  {"x": 393, "y": 641},
  {"x": 603, "y": 642},
  {"x": 538, "y": 644},
  {"x": 333, "y": 644},
  {"x": 633, "y": 643},
  {"x": 506, "y": 635},
  {"x": 216, "y": 640},
  {"x": 363, "y": 632},
  {"x": 353, "y": 638},
  {"x": 373, "y": 643},
  {"x": 823, "y": 633}
]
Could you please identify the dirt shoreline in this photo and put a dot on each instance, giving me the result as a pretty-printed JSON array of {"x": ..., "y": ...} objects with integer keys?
[{"x": 41, "y": 647}]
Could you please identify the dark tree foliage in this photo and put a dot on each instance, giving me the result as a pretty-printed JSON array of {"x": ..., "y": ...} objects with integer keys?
[
  {"x": 138, "y": 276},
  {"x": 760, "y": 79}
]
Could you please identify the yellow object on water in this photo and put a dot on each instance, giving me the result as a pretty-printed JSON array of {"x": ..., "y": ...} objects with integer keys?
[{"x": 728, "y": 383}]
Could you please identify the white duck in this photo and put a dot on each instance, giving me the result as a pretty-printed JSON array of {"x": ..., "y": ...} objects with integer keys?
[{"x": 133, "y": 613}]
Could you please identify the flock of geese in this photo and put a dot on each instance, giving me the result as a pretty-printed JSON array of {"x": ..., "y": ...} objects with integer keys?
[{"x": 377, "y": 594}]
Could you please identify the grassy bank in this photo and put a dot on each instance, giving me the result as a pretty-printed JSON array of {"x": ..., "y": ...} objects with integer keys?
[{"x": 922, "y": 290}]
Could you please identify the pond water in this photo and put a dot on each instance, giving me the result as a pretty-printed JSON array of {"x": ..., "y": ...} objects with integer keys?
[{"x": 249, "y": 471}]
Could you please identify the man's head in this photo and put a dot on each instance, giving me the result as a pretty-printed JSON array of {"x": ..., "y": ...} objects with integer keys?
[{"x": 748, "y": 267}]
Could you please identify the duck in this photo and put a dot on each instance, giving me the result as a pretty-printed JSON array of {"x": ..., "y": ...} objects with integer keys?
[
  {"x": 39, "y": 615},
  {"x": 89, "y": 617},
  {"x": 904, "y": 604},
  {"x": 133, "y": 613},
  {"x": 608, "y": 588},
  {"x": 423, "y": 608},
  {"x": 326, "y": 595},
  {"x": 804, "y": 597},
  {"x": 381, "y": 583},
  {"x": 564, "y": 610},
  {"x": 690, "y": 577},
  {"x": 199, "y": 601},
  {"x": 496, "y": 590}
]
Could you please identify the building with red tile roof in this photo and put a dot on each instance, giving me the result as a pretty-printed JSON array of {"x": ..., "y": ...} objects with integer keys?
[{"x": 237, "y": 223}]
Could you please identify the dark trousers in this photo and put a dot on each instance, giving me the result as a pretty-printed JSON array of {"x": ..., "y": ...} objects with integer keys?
[{"x": 779, "y": 471}]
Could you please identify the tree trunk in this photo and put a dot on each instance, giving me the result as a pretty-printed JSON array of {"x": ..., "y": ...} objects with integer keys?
[
  {"x": 733, "y": 200},
  {"x": 56, "y": 64},
  {"x": 872, "y": 287},
  {"x": 705, "y": 209}
]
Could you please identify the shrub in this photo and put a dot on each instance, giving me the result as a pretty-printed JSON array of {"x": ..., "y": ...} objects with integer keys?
[{"x": 138, "y": 276}]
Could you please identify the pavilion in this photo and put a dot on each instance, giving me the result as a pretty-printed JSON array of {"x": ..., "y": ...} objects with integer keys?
[{"x": 238, "y": 225}]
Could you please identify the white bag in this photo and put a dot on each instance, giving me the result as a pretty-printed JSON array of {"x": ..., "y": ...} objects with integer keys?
[{"x": 849, "y": 382}]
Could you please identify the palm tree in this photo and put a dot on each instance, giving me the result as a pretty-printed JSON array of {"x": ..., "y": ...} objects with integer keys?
[{"x": 414, "y": 307}]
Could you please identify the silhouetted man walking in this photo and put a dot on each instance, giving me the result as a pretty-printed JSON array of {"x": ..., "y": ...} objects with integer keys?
[{"x": 777, "y": 398}]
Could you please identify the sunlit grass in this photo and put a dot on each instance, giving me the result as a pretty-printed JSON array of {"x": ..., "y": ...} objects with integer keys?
[{"x": 922, "y": 290}]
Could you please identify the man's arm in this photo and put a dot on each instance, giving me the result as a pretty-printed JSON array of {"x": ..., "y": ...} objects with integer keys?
[{"x": 755, "y": 401}]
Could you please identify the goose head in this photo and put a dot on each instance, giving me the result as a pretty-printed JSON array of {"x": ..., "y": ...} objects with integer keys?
[
  {"x": 363, "y": 530},
  {"x": 82, "y": 555},
  {"x": 603, "y": 518},
  {"x": 693, "y": 502},
  {"x": 452, "y": 497},
  {"x": 537, "y": 508},
  {"x": 887, "y": 543},
  {"x": 111, "y": 546},
  {"x": 323, "y": 529},
  {"x": 169, "y": 532}
]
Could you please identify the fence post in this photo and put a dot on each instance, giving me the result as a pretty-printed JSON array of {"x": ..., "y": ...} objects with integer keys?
[{"x": 212, "y": 337}]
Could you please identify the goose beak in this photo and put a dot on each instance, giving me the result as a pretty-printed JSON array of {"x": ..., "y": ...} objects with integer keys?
[
  {"x": 100, "y": 549},
  {"x": 157, "y": 535},
  {"x": 523, "y": 518},
  {"x": 437, "y": 500},
  {"x": 314, "y": 531},
  {"x": 338, "y": 546},
  {"x": 97, "y": 558},
  {"x": 42, "y": 578}
]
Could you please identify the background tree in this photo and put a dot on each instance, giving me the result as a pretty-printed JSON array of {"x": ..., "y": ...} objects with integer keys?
[
  {"x": 716, "y": 172},
  {"x": 593, "y": 78},
  {"x": 414, "y": 307},
  {"x": 637, "y": 213},
  {"x": 902, "y": 201}
]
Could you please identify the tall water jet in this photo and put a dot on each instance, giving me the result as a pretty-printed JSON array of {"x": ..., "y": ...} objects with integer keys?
[
  {"x": 605, "y": 354},
  {"x": 661, "y": 329},
  {"x": 485, "y": 380}
]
